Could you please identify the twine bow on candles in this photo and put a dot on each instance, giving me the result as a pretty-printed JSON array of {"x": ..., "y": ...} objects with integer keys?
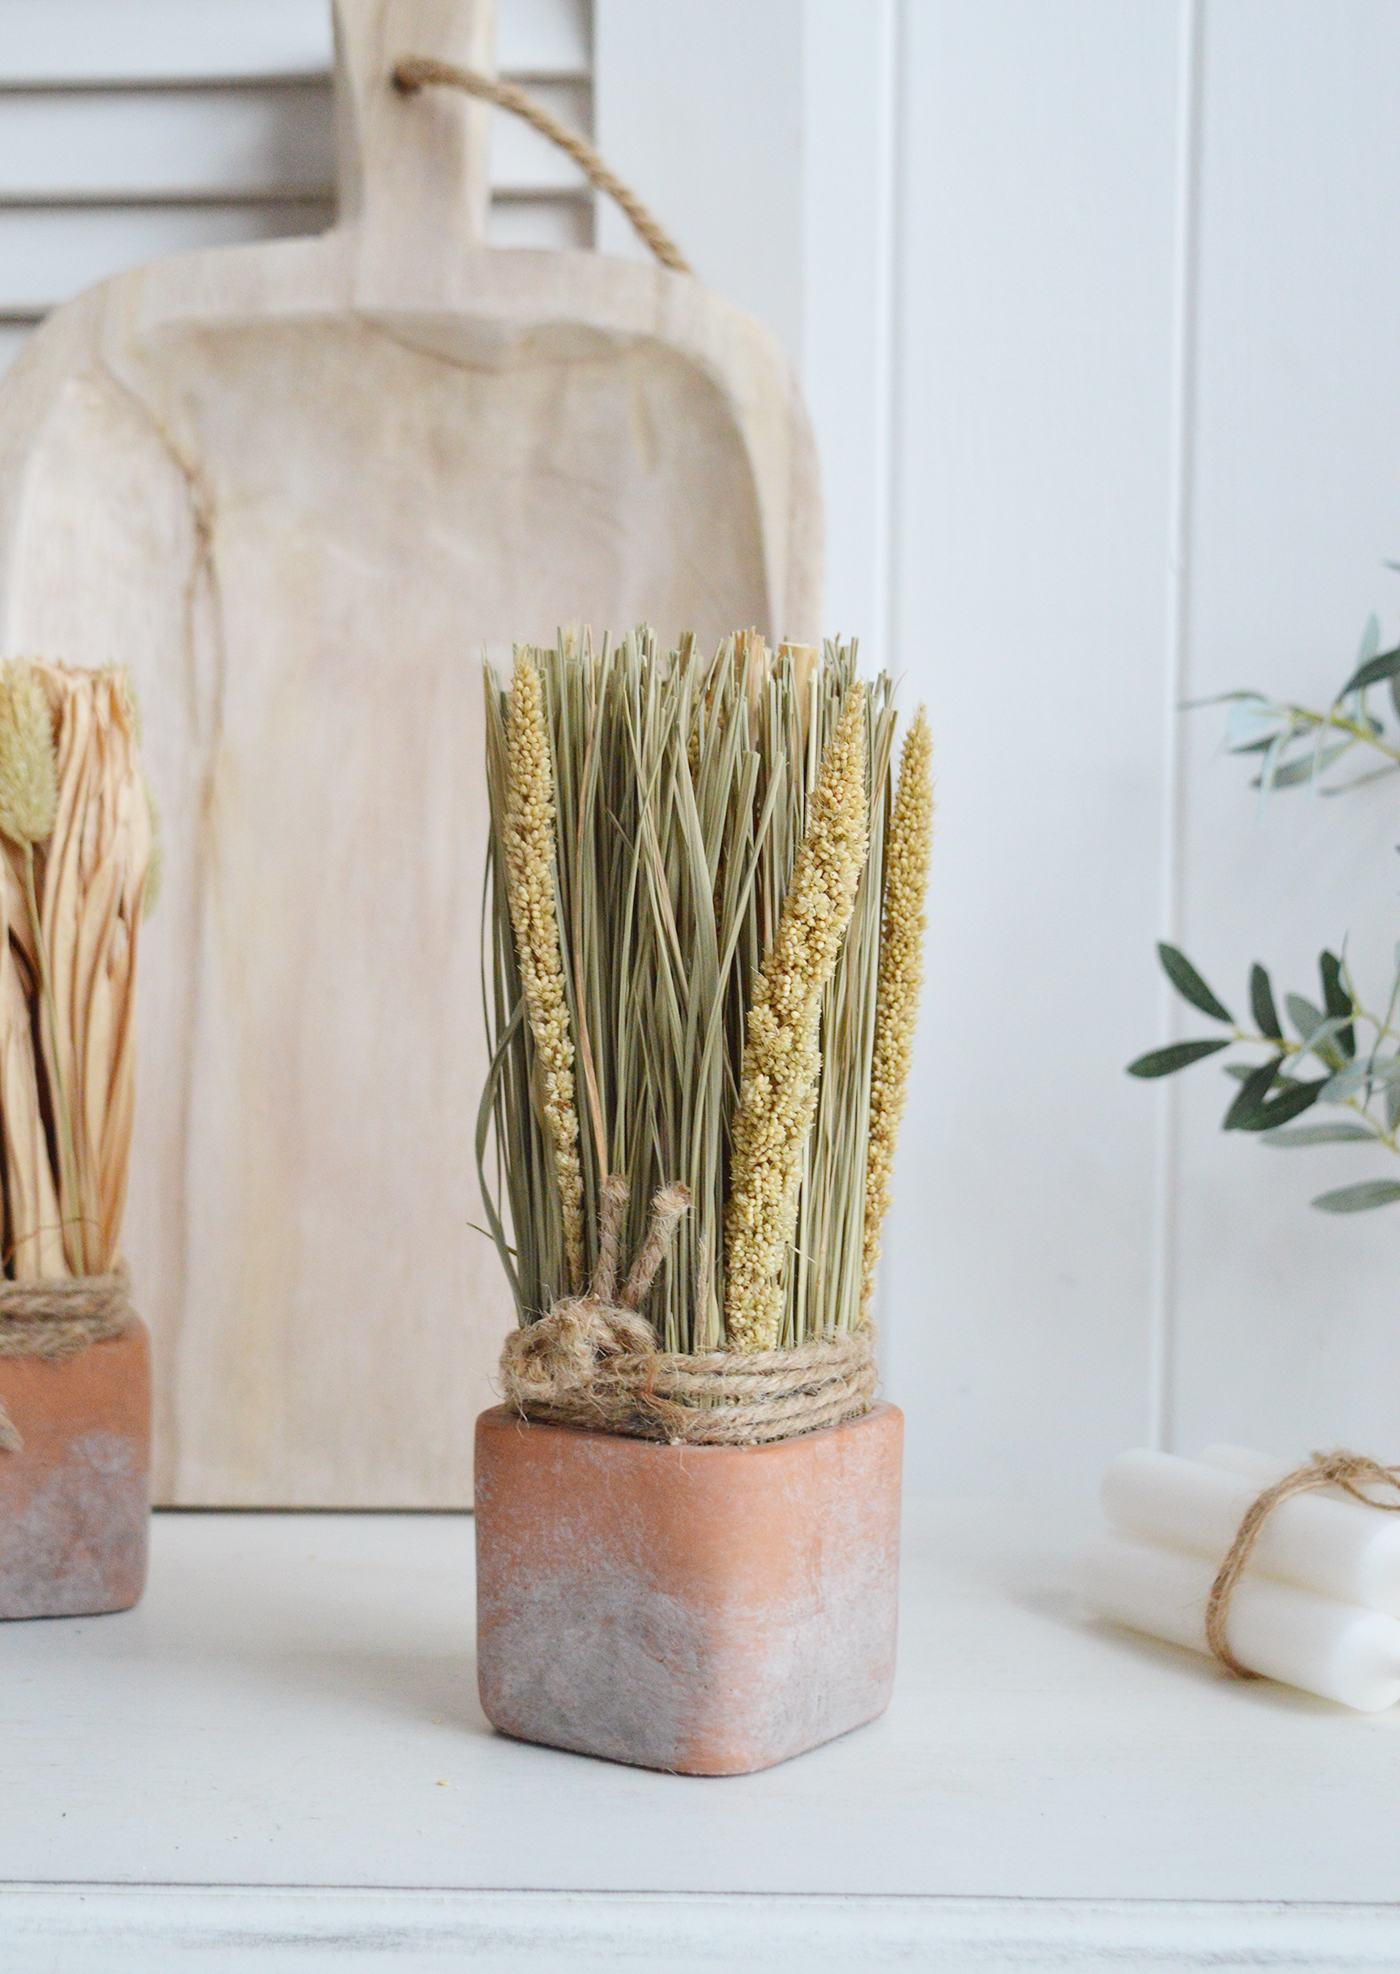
[{"x": 1350, "y": 1471}]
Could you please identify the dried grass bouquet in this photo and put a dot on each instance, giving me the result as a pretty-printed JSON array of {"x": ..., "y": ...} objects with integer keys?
[
  {"x": 76, "y": 874},
  {"x": 702, "y": 975}
]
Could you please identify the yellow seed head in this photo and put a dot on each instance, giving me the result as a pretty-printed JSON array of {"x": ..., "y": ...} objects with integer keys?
[
  {"x": 782, "y": 1058},
  {"x": 900, "y": 980},
  {"x": 28, "y": 779},
  {"x": 529, "y": 847}
]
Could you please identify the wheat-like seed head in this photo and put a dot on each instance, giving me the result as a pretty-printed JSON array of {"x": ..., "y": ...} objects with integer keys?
[
  {"x": 529, "y": 847},
  {"x": 28, "y": 777},
  {"x": 901, "y": 979},
  {"x": 781, "y": 1061}
]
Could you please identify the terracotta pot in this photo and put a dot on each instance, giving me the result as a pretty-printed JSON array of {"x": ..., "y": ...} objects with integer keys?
[
  {"x": 705, "y": 1609},
  {"x": 75, "y": 1498}
]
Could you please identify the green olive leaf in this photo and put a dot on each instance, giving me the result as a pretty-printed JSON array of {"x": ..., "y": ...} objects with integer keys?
[
  {"x": 1318, "y": 1134},
  {"x": 1359, "y": 1198},
  {"x": 1176, "y": 1055},
  {"x": 1261, "y": 1001},
  {"x": 1189, "y": 984}
]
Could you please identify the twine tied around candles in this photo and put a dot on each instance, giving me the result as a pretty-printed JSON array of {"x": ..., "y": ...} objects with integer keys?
[
  {"x": 58, "y": 1319},
  {"x": 1350, "y": 1471},
  {"x": 593, "y": 1361}
]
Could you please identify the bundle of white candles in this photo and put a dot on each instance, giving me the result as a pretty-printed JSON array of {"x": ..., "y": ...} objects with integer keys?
[{"x": 1318, "y": 1605}]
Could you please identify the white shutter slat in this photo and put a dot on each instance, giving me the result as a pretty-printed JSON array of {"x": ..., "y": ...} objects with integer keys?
[
  {"x": 103, "y": 42},
  {"x": 109, "y": 41},
  {"x": 189, "y": 143},
  {"x": 135, "y": 128},
  {"x": 558, "y": 224},
  {"x": 48, "y": 255}
]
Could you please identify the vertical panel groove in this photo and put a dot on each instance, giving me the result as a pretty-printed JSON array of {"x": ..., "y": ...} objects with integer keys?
[
  {"x": 891, "y": 30},
  {"x": 1185, "y": 283},
  {"x": 889, "y": 643}
]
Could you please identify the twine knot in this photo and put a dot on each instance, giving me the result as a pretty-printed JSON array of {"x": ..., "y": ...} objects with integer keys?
[
  {"x": 562, "y": 1353},
  {"x": 593, "y": 1361},
  {"x": 561, "y": 1357},
  {"x": 1351, "y": 1471}
]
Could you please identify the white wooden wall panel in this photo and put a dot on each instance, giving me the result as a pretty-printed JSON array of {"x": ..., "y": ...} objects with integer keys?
[
  {"x": 1030, "y": 589},
  {"x": 1105, "y": 373},
  {"x": 850, "y": 100},
  {"x": 1285, "y": 1318},
  {"x": 762, "y": 134},
  {"x": 699, "y": 108}
]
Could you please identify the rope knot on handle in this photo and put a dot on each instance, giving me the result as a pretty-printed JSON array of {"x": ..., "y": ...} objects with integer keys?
[{"x": 414, "y": 72}]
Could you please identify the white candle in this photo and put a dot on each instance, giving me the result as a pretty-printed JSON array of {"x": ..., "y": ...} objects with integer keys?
[
  {"x": 1262, "y": 1468},
  {"x": 1335, "y": 1650},
  {"x": 1323, "y": 1542}
]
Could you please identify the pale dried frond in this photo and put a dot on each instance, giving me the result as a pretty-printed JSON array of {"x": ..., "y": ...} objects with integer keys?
[
  {"x": 95, "y": 873},
  {"x": 782, "y": 1059},
  {"x": 155, "y": 869},
  {"x": 901, "y": 979},
  {"x": 529, "y": 851},
  {"x": 70, "y": 788}
]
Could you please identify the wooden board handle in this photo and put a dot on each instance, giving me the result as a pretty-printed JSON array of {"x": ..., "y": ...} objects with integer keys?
[{"x": 413, "y": 177}]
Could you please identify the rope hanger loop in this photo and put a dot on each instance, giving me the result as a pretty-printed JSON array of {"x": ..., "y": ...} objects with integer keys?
[{"x": 414, "y": 72}]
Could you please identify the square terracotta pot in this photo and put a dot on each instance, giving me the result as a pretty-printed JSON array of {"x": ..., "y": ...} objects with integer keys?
[
  {"x": 75, "y": 1498},
  {"x": 705, "y": 1609}
]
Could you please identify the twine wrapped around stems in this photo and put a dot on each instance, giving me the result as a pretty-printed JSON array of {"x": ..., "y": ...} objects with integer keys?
[
  {"x": 58, "y": 1319},
  {"x": 593, "y": 1362}
]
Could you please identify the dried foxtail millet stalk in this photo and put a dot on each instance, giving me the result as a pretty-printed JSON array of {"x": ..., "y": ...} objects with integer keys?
[
  {"x": 782, "y": 1058},
  {"x": 907, "y": 849},
  {"x": 529, "y": 849}
]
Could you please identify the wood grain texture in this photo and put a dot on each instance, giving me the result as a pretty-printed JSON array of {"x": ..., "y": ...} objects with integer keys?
[{"x": 297, "y": 488}]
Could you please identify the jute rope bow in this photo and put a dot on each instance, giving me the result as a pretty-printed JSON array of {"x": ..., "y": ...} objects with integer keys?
[
  {"x": 593, "y": 1361},
  {"x": 58, "y": 1319},
  {"x": 412, "y": 72},
  {"x": 1351, "y": 1471}
]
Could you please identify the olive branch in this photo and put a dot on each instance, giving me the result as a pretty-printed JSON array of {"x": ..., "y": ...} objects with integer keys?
[{"x": 1343, "y": 1054}]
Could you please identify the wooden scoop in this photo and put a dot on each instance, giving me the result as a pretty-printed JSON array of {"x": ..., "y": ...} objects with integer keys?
[{"x": 296, "y": 488}]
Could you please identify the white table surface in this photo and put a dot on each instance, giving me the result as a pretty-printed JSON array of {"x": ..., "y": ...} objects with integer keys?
[{"x": 278, "y": 1760}]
